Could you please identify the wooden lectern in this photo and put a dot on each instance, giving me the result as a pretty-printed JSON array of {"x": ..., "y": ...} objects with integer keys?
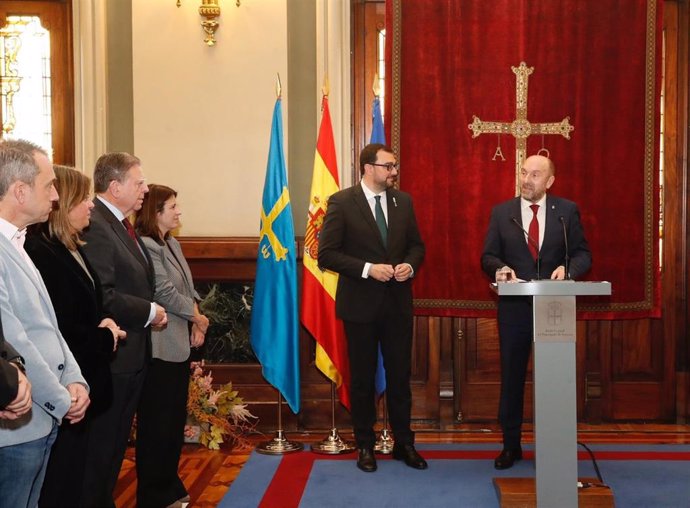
[{"x": 555, "y": 394}]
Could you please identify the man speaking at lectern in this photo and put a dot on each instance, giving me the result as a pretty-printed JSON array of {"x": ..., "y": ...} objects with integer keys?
[{"x": 533, "y": 236}]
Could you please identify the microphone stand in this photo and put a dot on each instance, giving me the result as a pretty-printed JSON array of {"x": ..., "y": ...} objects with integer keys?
[{"x": 567, "y": 251}]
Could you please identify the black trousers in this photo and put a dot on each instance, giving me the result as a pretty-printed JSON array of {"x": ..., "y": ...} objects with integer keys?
[
  {"x": 66, "y": 463},
  {"x": 515, "y": 337},
  {"x": 107, "y": 441},
  {"x": 160, "y": 433},
  {"x": 393, "y": 329}
]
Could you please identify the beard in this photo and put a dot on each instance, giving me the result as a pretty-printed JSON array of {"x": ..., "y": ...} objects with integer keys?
[{"x": 529, "y": 193}]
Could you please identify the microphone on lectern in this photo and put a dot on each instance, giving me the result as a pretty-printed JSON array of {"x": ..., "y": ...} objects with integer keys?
[
  {"x": 567, "y": 255},
  {"x": 534, "y": 244}
]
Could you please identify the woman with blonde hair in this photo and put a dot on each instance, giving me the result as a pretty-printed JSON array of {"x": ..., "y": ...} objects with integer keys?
[{"x": 74, "y": 288}]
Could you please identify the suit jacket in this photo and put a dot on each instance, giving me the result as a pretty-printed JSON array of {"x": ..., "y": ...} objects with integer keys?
[
  {"x": 505, "y": 243},
  {"x": 350, "y": 238},
  {"x": 78, "y": 304},
  {"x": 30, "y": 325},
  {"x": 124, "y": 268},
  {"x": 174, "y": 291},
  {"x": 9, "y": 379}
]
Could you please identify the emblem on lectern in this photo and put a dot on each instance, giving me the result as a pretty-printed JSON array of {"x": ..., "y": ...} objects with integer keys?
[{"x": 555, "y": 313}]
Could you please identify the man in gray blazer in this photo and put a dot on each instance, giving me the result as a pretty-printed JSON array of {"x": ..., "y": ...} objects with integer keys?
[
  {"x": 59, "y": 390},
  {"x": 127, "y": 278}
]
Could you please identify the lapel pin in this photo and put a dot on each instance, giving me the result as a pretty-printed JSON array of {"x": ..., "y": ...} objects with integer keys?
[{"x": 395, "y": 203}]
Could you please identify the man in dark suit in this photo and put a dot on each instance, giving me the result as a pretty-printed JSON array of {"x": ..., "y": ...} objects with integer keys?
[
  {"x": 370, "y": 238},
  {"x": 527, "y": 240},
  {"x": 124, "y": 268},
  {"x": 15, "y": 389}
]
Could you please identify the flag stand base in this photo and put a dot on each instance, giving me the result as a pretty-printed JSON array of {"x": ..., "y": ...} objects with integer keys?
[
  {"x": 384, "y": 444},
  {"x": 279, "y": 445},
  {"x": 333, "y": 445}
]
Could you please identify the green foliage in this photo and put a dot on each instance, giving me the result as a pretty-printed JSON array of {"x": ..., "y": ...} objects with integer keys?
[{"x": 228, "y": 308}]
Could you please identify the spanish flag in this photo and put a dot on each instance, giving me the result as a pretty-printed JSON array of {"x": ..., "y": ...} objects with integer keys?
[{"x": 318, "y": 286}]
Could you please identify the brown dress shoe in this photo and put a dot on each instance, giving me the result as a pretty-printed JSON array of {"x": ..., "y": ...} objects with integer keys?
[
  {"x": 366, "y": 460},
  {"x": 409, "y": 455},
  {"x": 507, "y": 458}
]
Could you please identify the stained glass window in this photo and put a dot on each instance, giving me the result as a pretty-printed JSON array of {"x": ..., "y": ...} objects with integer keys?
[{"x": 26, "y": 80}]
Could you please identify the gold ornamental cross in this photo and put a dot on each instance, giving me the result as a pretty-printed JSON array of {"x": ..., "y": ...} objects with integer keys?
[{"x": 520, "y": 128}]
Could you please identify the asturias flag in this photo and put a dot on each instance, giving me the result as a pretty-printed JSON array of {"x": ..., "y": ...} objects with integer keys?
[
  {"x": 274, "y": 324},
  {"x": 378, "y": 136},
  {"x": 318, "y": 287}
]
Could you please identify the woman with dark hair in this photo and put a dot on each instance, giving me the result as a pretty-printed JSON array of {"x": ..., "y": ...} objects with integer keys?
[
  {"x": 74, "y": 288},
  {"x": 163, "y": 407}
]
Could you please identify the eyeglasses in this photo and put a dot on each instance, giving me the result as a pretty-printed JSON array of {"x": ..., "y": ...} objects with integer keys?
[{"x": 390, "y": 166}]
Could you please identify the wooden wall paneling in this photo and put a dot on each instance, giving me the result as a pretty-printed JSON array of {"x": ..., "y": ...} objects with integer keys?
[
  {"x": 596, "y": 339},
  {"x": 422, "y": 410},
  {"x": 433, "y": 378},
  {"x": 479, "y": 379},
  {"x": 683, "y": 114},
  {"x": 673, "y": 265},
  {"x": 676, "y": 212},
  {"x": 636, "y": 370},
  {"x": 226, "y": 259}
]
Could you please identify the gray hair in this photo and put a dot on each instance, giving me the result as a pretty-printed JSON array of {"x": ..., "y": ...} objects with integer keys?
[
  {"x": 112, "y": 166},
  {"x": 17, "y": 163}
]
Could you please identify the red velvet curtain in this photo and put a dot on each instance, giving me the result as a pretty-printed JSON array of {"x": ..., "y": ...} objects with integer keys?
[{"x": 597, "y": 62}]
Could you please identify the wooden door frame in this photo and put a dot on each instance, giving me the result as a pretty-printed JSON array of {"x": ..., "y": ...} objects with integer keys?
[{"x": 675, "y": 277}]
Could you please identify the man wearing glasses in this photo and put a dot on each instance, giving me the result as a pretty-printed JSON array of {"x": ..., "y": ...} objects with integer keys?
[{"x": 370, "y": 237}]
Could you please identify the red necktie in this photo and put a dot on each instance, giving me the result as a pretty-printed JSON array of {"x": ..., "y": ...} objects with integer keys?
[
  {"x": 133, "y": 235},
  {"x": 533, "y": 231}
]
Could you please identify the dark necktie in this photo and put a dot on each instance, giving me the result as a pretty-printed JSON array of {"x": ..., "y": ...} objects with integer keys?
[
  {"x": 380, "y": 219},
  {"x": 130, "y": 229},
  {"x": 534, "y": 232}
]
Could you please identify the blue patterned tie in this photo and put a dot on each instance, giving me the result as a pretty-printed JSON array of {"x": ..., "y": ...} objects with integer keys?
[{"x": 381, "y": 219}]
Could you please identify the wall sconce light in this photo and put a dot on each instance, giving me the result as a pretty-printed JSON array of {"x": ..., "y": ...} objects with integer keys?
[{"x": 209, "y": 10}]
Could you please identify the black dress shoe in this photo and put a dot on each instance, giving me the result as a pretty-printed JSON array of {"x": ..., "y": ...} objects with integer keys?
[
  {"x": 507, "y": 458},
  {"x": 409, "y": 455},
  {"x": 366, "y": 460}
]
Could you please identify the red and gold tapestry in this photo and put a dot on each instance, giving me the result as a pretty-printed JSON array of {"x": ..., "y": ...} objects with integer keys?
[{"x": 596, "y": 65}]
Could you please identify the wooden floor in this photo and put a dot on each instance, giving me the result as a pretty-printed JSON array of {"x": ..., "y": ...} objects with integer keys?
[{"x": 208, "y": 474}]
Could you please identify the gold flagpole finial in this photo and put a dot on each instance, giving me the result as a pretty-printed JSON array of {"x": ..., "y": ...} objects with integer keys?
[
  {"x": 326, "y": 88},
  {"x": 376, "y": 87},
  {"x": 279, "y": 88}
]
